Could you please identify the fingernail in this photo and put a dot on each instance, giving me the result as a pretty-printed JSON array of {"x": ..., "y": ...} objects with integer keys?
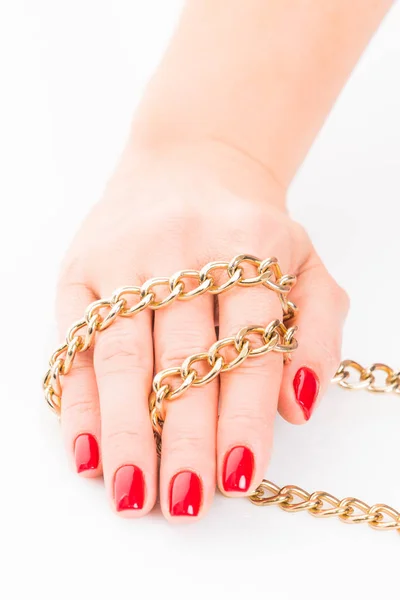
[
  {"x": 185, "y": 495},
  {"x": 238, "y": 469},
  {"x": 129, "y": 488},
  {"x": 86, "y": 452},
  {"x": 306, "y": 388}
]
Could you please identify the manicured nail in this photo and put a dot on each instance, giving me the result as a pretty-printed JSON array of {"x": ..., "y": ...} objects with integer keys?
[
  {"x": 238, "y": 469},
  {"x": 185, "y": 495},
  {"x": 306, "y": 388},
  {"x": 86, "y": 452},
  {"x": 129, "y": 488}
]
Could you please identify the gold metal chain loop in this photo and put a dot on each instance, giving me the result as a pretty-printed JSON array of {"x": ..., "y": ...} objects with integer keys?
[{"x": 226, "y": 354}]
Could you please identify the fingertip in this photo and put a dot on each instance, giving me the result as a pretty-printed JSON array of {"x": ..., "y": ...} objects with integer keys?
[
  {"x": 300, "y": 394},
  {"x": 306, "y": 386},
  {"x": 132, "y": 490},
  {"x": 188, "y": 497},
  {"x": 92, "y": 474},
  {"x": 131, "y": 513},
  {"x": 87, "y": 456},
  {"x": 237, "y": 471}
]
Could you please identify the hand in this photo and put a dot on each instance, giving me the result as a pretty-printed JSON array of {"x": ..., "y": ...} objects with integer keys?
[{"x": 160, "y": 214}]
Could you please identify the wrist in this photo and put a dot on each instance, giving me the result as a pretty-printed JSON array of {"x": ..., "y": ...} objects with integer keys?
[{"x": 231, "y": 168}]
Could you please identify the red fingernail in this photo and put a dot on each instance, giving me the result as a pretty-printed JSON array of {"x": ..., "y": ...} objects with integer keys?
[
  {"x": 238, "y": 469},
  {"x": 86, "y": 452},
  {"x": 185, "y": 495},
  {"x": 306, "y": 388},
  {"x": 129, "y": 488}
]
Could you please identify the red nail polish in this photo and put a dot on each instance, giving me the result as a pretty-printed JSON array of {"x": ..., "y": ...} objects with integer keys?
[
  {"x": 86, "y": 452},
  {"x": 129, "y": 488},
  {"x": 306, "y": 388},
  {"x": 238, "y": 469},
  {"x": 185, "y": 495}
]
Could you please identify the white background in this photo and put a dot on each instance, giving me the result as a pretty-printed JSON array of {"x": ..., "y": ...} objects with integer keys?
[{"x": 71, "y": 74}]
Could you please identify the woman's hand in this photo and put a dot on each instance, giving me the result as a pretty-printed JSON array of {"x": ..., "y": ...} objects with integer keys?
[{"x": 179, "y": 210}]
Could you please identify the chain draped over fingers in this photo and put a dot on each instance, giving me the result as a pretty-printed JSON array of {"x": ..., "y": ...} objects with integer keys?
[
  {"x": 102, "y": 313},
  {"x": 275, "y": 336}
]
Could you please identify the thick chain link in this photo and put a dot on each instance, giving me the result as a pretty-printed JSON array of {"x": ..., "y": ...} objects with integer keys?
[
  {"x": 366, "y": 378},
  {"x": 225, "y": 355},
  {"x": 321, "y": 504}
]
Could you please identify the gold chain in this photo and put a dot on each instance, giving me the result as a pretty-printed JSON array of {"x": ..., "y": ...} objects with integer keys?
[
  {"x": 275, "y": 336},
  {"x": 321, "y": 504}
]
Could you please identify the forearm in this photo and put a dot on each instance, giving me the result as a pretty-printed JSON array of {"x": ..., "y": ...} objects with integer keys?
[{"x": 259, "y": 75}]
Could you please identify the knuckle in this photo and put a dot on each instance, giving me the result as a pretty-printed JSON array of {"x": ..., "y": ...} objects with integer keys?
[
  {"x": 339, "y": 296},
  {"x": 187, "y": 442},
  {"x": 83, "y": 365},
  {"x": 249, "y": 420},
  {"x": 329, "y": 354},
  {"x": 79, "y": 407},
  {"x": 256, "y": 367},
  {"x": 117, "y": 352},
  {"x": 69, "y": 294},
  {"x": 174, "y": 353},
  {"x": 299, "y": 233},
  {"x": 329, "y": 290},
  {"x": 327, "y": 351},
  {"x": 122, "y": 439},
  {"x": 343, "y": 298}
]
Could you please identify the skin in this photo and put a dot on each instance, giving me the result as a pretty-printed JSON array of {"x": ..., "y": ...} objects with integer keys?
[{"x": 220, "y": 133}]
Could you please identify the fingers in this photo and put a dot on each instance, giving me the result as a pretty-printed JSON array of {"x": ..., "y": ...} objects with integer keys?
[
  {"x": 323, "y": 307},
  {"x": 80, "y": 414},
  {"x": 248, "y": 395},
  {"x": 187, "y": 477},
  {"x": 123, "y": 361}
]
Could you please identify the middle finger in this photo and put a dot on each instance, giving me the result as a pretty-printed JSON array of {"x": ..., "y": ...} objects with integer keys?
[
  {"x": 249, "y": 394},
  {"x": 187, "y": 478}
]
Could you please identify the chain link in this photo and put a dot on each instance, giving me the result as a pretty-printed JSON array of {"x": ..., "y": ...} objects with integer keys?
[
  {"x": 225, "y": 355},
  {"x": 321, "y": 504},
  {"x": 274, "y": 337},
  {"x": 366, "y": 377}
]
